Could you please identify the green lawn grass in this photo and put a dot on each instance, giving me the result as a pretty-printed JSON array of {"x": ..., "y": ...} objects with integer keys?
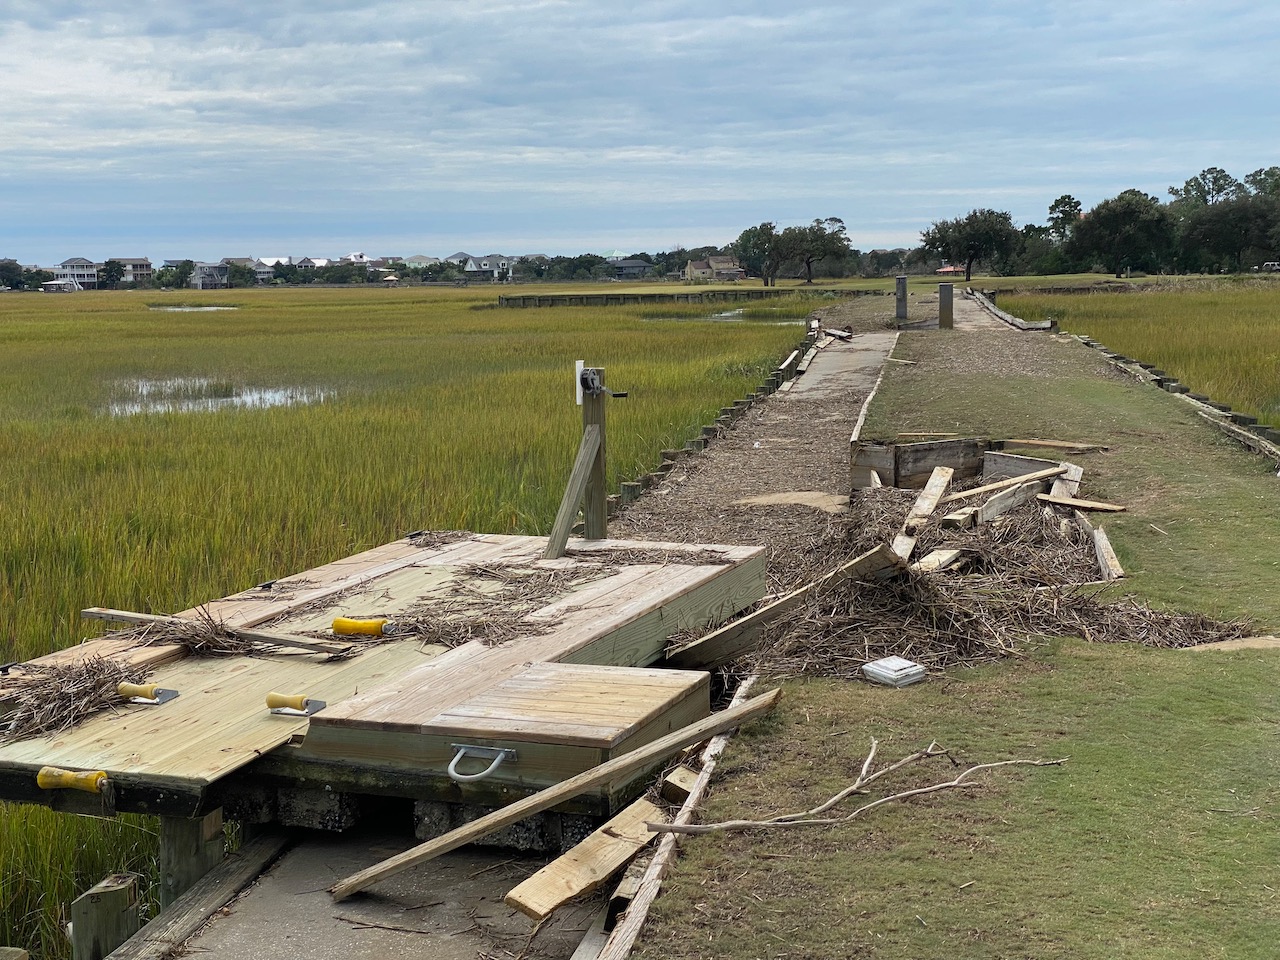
[
  {"x": 1157, "y": 839},
  {"x": 442, "y": 413}
]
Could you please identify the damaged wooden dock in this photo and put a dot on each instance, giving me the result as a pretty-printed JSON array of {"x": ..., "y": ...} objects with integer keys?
[{"x": 562, "y": 688}]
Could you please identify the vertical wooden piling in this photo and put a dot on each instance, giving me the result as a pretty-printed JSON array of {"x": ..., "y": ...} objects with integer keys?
[
  {"x": 104, "y": 916},
  {"x": 900, "y": 297},
  {"x": 594, "y": 514},
  {"x": 188, "y": 850},
  {"x": 946, "y": 308}
]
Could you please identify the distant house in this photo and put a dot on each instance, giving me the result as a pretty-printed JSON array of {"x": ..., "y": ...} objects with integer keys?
[
  {"x": 136, "y": 269},
  {"x": 263, "y": 272},
  {"x": 698, "y": 270},
  {"x": 495, "y": 267},
  {"x": 83, "y": 272},
  {"x": 419, "y": 261},
  {"x": 314, "y": 263},
  {"x": 459, "y": 258},
  {"x": 631, "y": 269},
  {"x": 726, "y": 268},
  {"x": 273, "y": 262},
  {"x": 210, "y": 276}
]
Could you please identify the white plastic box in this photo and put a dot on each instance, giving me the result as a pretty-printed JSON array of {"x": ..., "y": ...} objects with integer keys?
[{"x": 893, "y": 671}]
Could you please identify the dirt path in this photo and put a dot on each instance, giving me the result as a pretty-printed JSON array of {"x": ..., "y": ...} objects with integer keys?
[{"x": 779, "y": 474}]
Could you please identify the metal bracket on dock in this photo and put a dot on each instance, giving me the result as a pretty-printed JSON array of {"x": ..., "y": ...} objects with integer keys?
[{"x": 494, "y": 754}]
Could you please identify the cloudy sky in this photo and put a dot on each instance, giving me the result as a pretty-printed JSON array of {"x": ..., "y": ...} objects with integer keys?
[{"x": 561, "y": 126}]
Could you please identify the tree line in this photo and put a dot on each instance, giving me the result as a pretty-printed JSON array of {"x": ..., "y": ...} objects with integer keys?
[{"x": 1212, "y": 223}]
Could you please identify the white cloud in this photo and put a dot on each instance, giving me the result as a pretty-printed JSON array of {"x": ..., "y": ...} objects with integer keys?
[{"x": 597, "y": 121}]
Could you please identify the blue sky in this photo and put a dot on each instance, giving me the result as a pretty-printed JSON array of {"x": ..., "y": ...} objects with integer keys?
[{"x": 320, "y": 128}]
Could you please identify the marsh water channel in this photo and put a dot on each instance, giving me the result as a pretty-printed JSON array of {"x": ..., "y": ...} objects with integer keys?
[{"x": 205, "y": 395}]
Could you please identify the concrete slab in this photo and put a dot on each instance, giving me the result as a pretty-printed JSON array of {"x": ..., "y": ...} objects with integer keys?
[
  {"x": 448, "y": 909},
  {"x": 843, "y": 367}
]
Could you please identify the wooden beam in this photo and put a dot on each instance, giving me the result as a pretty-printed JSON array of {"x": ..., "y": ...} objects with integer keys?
[
  {"x": 637, "y": 759},
  {"x": 164, "y": 935},
  {"x": 734, "y": 639},
  {"x": 588, "y": 866},
  {"x": 257, "y": 636},
  {"x": 595, "y": 513},
  {"x": 1096, "y": 506},
  {"x": 677, "y": 785},
  {"x": 1005, "y": 484},
  {"x": 573, "y": 492}
]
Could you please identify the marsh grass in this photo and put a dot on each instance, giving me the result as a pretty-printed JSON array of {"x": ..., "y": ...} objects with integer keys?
[
  {"x": 1220, "y": 338},
  {"x": 437, "y": 416}
]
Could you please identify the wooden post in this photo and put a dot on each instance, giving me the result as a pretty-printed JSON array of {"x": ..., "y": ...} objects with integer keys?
[
  {"x": 104, "y": 917},
  {"x": 594, "y": 513},
  {"x": 188, "y": 850},
  {"x": 946, "y": 310},
  {"x": 900, "y": 292}
]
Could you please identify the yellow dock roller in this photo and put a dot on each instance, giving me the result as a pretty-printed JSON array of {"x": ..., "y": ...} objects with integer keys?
[{"x": 55, "y": 778}]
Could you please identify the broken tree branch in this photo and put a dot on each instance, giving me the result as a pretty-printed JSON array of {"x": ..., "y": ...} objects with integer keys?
[{"x": 813, "y": 818}]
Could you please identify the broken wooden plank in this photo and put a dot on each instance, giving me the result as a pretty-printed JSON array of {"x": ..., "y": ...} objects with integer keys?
[
  {"x": 1068, "y": 485},
  {"x": 905, "y": 542},
  {"x": 1065, "y": 446},
  {"x": 626, "y": 890},
  {"x": 838, "y": 334},
  {"x": 928, "y": 500},
  {"x": 637, "y": 759},
  {"x": 731, "y": 641},
  {"x": 1108, "y": 563},
  {"x": 874, "y": 481},
  {"x": 1096, "y": 506},
  {"x": 1009, "y": 499},
  {"x": 960, "y": 519},
  {"x": 255, "y": 636},
  {"x": 937, "y": 560},
  {"x": 999, "y": 485},
  {"x": 589, "y": 865}
]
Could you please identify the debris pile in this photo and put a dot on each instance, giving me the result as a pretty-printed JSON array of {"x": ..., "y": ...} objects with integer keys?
[
  {"x": 55, "y": 697},
  {"x": 1023, "y": 577}
]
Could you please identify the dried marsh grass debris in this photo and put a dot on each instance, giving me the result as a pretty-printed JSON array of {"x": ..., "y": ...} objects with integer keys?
[
  {"x": 494, "y": 604},
  {"x": 626, "y": 556},
  {"x": 51, "y": 698},
  {"x": 427, "y": 539},
  {"x": 201, "y": 636}
]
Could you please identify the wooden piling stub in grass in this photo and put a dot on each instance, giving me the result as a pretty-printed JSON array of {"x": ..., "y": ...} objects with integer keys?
[
  {"x": 104, "y": 916},
  {"x": 946, "y": 308},
  {"x": 188, "y": 850}
]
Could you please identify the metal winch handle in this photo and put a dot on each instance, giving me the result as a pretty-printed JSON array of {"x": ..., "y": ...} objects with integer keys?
[{"x": 494, "y": 754}]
